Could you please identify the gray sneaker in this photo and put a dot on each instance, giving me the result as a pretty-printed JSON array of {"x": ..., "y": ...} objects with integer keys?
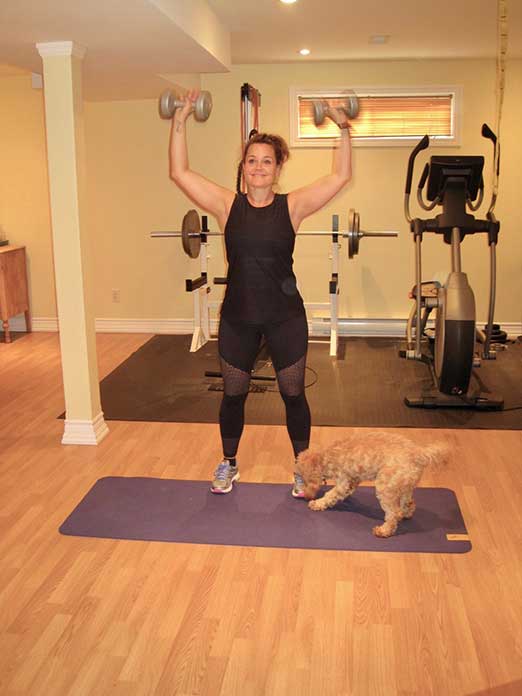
[
  {"x": 224, "y": 477},
  {"x": 299, "y": 486}
]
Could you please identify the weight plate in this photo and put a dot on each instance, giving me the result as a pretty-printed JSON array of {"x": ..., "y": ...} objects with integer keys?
[
  {"x": 352, "y": 106},
  {"x": 166, "y": 104},
  {"x": 353, "y": 233},
  {"x": 319, "y": 112},
  {"x": 203, "y": 106},
  {"x": 190, "y": 225}
]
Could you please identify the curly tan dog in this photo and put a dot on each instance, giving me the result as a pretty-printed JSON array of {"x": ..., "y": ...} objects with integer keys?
[{"x": 392, "y": 461}]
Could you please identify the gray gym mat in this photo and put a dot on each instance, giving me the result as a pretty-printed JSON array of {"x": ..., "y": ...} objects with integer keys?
[
  {"x": 261, "y": 514},
  {"x": 364, "y": 386}
]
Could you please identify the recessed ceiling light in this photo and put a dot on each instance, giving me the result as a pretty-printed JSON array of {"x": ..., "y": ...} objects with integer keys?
[
  {"x": 288, "y": 2},
  {"x": 304, "y": 51},
  {"x": 379, "y": 39}
]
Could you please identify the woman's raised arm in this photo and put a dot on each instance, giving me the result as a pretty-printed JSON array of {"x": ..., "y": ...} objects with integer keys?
[
  {"x": 213, "y": 198},
  {"x": 307, "y": 200}
]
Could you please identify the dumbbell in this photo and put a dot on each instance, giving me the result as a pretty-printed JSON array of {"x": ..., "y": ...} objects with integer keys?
[
  {"x": 169, "y": 102},
  {"x": 321, "y": 108}
]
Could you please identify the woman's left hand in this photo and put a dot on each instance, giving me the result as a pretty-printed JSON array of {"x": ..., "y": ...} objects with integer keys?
[
  {"x": 338, "y": 116},
  {"x": 189, "y": 100}
]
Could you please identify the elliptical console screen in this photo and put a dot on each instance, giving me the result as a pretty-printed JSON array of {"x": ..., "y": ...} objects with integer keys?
[{"x": 443, "y": 168}]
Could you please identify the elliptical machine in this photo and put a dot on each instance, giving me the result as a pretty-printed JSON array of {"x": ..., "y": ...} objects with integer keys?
[{"x": 455, "y": 183}]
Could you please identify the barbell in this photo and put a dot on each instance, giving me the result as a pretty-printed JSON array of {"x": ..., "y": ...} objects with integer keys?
[
  {"x": 169, "y": 102},
  {"x": 321, "y": 108},
  {"x": 191, "y": 233}
]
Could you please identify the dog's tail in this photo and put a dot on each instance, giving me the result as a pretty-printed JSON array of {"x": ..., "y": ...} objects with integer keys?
[{"x": 436, "y": 455}]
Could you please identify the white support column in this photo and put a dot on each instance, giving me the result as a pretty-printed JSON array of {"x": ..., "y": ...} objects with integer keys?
[{"x": 62, "y": 70}]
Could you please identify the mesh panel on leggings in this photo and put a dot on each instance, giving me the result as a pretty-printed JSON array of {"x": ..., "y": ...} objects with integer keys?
[
  {"x": 235, "y": 381},
  {"x": 291, "y": 378}
]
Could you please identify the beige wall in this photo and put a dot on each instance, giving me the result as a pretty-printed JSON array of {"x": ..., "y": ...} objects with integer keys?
[
  {"x": 130, "y": 193},
  {"x": 24, "y": 192}
]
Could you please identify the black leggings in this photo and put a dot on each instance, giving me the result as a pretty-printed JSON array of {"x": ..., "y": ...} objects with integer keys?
[{"x": 238, "y": 346}]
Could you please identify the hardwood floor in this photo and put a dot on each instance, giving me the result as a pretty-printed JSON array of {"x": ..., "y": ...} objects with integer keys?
[{"x": 95, "y": 616}]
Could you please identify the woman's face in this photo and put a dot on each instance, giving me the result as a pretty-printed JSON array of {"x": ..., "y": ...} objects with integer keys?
[{"x": 260, "y": 168}]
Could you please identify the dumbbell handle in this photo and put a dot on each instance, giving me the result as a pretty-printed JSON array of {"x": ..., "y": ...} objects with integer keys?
[{"x": 178, "y": 103}]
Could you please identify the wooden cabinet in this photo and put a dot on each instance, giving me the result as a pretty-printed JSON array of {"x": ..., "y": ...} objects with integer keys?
[{"x": 14, "y": 295}]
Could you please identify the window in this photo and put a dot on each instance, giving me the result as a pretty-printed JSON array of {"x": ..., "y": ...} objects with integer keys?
[{"x": 387, "y": 117}]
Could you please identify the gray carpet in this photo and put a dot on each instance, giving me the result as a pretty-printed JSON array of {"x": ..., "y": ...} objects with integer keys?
[{"x": 364, "y": 386}]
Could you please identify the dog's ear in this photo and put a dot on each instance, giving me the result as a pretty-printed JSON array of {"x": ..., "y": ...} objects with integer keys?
[
  {"x": 309, "y": 464},
  {"x": 315, "y": 464}
]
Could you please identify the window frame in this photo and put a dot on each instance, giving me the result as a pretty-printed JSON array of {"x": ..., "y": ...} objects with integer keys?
[{"x": 328, "y": 142}]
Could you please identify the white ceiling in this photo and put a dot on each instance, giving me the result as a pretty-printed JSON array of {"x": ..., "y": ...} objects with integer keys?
[
  {"x": 130, "y": 44},
  {"x": 269, "y": 31},
  {"x": 134, "y": 47}
]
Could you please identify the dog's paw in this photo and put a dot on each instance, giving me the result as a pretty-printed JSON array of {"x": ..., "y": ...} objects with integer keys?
[
  {"x": 316, "y": 505},
  {"x": 381, "y": 532}
]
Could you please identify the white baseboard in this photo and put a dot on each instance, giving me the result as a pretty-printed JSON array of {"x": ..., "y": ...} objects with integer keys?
[
  {"x": 38, "y": 323},
  {"x": 318, "y": 326},
  {"x": 359, "y": 327},
  {"x": 155, "y": 326},
  {"x": 85, "y": 432}
]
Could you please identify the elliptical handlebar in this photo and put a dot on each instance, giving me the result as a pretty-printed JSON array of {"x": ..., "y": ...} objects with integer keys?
[
  {"x": 422, "y": 145},
  {"x": 488, "y": 133},
  {"x": 422, "y": 181}
]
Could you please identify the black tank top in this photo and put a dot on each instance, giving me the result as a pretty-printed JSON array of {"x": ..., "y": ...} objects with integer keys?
[{"x": 261, "y": 285}]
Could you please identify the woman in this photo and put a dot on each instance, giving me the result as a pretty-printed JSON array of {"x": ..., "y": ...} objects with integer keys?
[{"x": 261, "y": 298}]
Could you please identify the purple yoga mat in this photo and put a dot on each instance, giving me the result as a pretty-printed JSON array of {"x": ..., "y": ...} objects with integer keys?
[{"x": 259, "y": 514}]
